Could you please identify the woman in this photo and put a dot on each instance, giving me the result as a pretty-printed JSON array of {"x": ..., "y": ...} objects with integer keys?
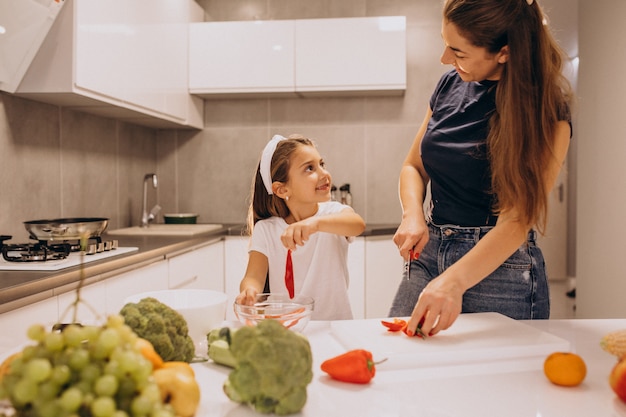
[{"x": 490, "y": 148}]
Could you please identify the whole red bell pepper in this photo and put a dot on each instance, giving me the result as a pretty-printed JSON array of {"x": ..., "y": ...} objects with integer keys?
[{"x": 355, "y": 366}]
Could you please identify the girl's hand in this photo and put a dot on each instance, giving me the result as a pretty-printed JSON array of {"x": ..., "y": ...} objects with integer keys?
[
  {"x": 437, "y": 307},
  {"x": 247, "y": 296},
  {"x": 411, "y": 237},
  {"x": 296, "y": 234}
]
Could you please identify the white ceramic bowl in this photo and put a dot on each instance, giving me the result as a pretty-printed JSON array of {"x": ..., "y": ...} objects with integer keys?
[
  {"x": 204, "y": 310},
  {"x": 293, "y": 313}
]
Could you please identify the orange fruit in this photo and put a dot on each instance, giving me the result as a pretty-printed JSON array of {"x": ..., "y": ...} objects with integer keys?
[
  {"x": 180, "y": 365},
  {"x": 565, "y": 368},
  {"x": 147, "y": 350}
]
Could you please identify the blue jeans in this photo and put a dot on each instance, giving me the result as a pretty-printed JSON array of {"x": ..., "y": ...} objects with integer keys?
[{"x": 517, "y": 289}]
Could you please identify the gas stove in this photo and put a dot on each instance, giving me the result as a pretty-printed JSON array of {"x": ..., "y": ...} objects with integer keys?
[{"x": 45, "y": 255}]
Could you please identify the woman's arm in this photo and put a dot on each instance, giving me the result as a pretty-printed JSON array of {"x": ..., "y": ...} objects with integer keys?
[
  {"x": 253, "y": 281},
  {"x": 440, "y": 303},
  {"x": 412, "y": 234}
]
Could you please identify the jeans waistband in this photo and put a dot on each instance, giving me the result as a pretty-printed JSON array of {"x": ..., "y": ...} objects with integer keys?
[{"x": 447, "y": 231}]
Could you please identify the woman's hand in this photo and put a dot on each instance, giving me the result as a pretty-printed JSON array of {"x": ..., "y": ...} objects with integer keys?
[
  {"x": 411, "y": 237},
  {"x": 437, "y": 307}
]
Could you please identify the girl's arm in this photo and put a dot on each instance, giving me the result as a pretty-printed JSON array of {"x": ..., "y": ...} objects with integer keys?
[
  {"x": 345, "y": 223},
  {"x": 440, "y": 303},
  {"x": 253, "y": 281},
  {"x": 412, "y": 234}
]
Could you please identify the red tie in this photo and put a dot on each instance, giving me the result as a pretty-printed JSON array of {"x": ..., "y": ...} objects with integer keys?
[{"x": 289, "y": 275}]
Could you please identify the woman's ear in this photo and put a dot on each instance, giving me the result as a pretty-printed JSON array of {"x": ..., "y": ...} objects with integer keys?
[{"x": 503, "y": 55}]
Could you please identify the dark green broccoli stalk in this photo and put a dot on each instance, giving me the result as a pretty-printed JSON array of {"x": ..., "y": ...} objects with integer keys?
[
  {"x": 163, "y": 326},
  {"x": 273, "y": 368}
]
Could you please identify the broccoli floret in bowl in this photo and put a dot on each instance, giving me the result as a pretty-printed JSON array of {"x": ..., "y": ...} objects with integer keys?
[{"x": 163, "y": 326}]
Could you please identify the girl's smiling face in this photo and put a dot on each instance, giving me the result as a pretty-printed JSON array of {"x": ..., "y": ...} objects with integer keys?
[
  {"x": 473, "y": 63},
  {"x": 309, "y": 181}
]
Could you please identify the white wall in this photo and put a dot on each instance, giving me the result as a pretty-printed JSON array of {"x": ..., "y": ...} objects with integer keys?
[{"x": 601, "y": 202}]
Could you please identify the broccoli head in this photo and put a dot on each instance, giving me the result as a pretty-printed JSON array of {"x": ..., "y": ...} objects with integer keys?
[
  {"x": 163, "y": 326},
  {"x": 273, "y": 368}
]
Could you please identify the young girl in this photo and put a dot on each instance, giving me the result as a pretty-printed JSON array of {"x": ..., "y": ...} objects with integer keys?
[{"x": 291, "y": 215}]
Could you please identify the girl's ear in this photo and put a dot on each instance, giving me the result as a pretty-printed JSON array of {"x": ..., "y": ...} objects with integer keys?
[
  {"x": 503, "y": 55},
  {"x": 279, "y": 189}
]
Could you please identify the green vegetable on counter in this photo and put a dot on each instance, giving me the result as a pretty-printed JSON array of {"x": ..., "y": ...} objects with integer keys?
[
  {"x": 219, "y": 346},
  {"x": 273, "y": 366},
  {"x": 163, "y": 326}
]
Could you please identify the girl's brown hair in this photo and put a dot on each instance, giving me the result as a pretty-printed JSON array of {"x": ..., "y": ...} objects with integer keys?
[
  {"x": 532, "y": 95},
  {"x": 264, "y": 205}
]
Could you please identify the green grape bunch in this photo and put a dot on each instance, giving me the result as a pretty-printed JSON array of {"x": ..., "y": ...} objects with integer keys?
[{"x": 83, "y": 371}]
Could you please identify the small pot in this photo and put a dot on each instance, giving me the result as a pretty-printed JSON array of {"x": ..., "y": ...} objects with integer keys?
[{"x": 180, "y": 218}]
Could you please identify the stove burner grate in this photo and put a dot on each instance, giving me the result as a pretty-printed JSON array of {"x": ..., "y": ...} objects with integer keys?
[
  {"x": 46, "y": 251},
  {"x": 32, "y": 252}
]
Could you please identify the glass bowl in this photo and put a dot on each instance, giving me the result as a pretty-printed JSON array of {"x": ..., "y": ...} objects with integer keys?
[{"x": 293, "y": 313}]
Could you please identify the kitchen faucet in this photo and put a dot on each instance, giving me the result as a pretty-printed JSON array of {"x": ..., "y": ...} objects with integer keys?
[{"x": 146, "y": 217}]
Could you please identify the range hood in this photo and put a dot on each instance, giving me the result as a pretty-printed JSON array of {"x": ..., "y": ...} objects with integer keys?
[{"x": 24, "y": 25}]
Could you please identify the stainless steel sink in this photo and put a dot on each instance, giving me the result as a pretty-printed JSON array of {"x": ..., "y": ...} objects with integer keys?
[{"x": 167, "y": 230}]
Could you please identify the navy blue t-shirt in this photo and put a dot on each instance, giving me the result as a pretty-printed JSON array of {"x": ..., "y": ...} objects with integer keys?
[{"x": 454, "y": 152}]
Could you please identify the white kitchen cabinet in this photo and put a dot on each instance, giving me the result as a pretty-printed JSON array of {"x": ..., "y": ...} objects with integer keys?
[
  {"x": 152, "y": 277},
  {"x": 298, "y": 57},
  {"x": 241, "y": 57},
  {"x": 200, "y": 268},
  {"x": 383, "y": 273},
  {"x": 365, "y": 54},
  {"x": 235, "y": 263},
  {"x": 15, "y": 323},
  {"x": 92, "y": 307},
  {"x": 356, "y": 269},
  {"x": 121, "y": 59}
]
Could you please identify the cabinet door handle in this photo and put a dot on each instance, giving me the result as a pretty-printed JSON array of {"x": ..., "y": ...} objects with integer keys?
[{"x": 186, "y": 282}]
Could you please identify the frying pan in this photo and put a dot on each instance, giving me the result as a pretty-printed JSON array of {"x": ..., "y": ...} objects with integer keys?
[{"x": 66, "y": 229}]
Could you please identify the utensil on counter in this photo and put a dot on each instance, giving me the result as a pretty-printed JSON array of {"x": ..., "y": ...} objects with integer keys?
[{"x": 66, "y": 228}]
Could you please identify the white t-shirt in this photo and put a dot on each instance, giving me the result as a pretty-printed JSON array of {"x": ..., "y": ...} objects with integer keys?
[{"x": 320, "y": 266}]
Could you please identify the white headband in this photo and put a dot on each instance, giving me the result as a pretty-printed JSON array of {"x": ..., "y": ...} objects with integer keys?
[{"x": 266, "y": 162}]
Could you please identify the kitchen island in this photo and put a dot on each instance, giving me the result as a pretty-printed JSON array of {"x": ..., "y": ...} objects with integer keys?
[{"x": 508, "y": 388}]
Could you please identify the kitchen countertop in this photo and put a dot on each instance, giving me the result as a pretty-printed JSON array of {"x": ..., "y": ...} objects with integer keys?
[
  {"x": 496, "y": 389},
  {"x": 20, "y": 288}
]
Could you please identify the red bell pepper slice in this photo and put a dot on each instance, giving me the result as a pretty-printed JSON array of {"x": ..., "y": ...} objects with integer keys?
[
  {"x": 289, "y": 275},
  {"x": 395, "y": 326}
]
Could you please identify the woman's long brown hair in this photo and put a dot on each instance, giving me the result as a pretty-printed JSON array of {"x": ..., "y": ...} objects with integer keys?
[{"x": 531, "y": 97}]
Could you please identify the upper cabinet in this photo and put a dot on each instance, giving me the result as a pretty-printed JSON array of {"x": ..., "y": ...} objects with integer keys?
[
  {"x": 119, "y": 58},
  {"x": 255, "y": 57},
  {"x": 298, "y": 57},
  {"x": 351, "y": 55}
]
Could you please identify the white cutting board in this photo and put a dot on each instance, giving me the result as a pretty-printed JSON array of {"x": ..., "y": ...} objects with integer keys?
[{"x": 473, "y": 338}]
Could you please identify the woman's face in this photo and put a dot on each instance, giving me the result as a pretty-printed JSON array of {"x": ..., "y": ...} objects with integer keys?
[
  {"x": 309, "y": 180},
  {"x": 473, "y": 63}
]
